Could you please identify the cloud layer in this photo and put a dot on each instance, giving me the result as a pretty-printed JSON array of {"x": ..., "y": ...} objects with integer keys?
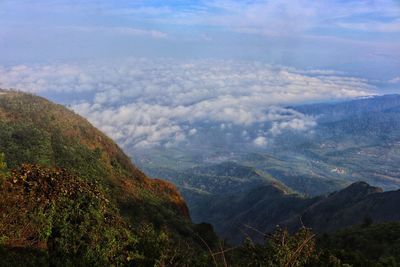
[{"x": 143, "y": 103}]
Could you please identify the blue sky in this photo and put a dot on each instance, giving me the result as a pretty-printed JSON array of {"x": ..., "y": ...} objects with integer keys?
[{"x": 360, "y": 37}]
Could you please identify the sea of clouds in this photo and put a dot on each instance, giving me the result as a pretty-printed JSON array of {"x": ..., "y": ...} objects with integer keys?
[{"x": 142, "y": 103}]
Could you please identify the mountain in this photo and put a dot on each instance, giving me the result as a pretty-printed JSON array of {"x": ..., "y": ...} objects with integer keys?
[
  {"x": 351, "y": 140},
  {"x": 36, "y": 131},
  {"x": 229, "y": 196},
  {"x": 291, "y": 179},
  {"x": 49, "y": 156},
  {"x": 351, "y": 206},
  {"x": 238, "y": 199},
  {"x": 226, "y": 177},
  {"x": 262, "y": 210},
  {"x": 356, "y": 107},
  {"x": 69, "y": 196},
  {"x": 219, "y": 194}
]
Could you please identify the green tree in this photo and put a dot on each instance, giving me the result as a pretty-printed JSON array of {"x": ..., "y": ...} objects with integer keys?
[{"x": 281, "y": 250}]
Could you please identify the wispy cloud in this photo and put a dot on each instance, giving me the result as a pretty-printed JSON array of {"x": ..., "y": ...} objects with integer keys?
[
  {"x": 118, "y": 30},
  {"x": 334, "y": 34},
  {"x": 394, "y": 80},
  {"x": 373, "y": 26},
  {"x": 275, "y": 17}
]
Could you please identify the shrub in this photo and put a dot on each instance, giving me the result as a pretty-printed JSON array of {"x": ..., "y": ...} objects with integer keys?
[
  {"x": 62, "y": 218},
  {"x": 280, "y": 249}
]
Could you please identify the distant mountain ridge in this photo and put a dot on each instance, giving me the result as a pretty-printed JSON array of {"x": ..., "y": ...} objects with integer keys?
[
  {"x": 351, "y": 206},
  {"x": 377, "y": 103},
  {"x": 235, "y": 200}
]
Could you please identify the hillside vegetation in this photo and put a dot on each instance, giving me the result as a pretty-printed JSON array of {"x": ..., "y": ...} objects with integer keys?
[
  {"x": 36, "y": 131},
  {"x": 368, "y": 245},
  {"x": 79, "y": 178}
]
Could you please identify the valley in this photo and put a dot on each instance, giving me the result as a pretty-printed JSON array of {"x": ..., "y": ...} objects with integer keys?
[
  {"x": 260, "y": 188},
  {"x": 361, "y": 142}
]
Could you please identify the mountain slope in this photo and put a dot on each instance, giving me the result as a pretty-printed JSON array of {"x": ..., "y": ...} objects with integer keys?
[
  {"x": 36, "y": 131},
  {"x": 228, "y": 195},
  {"x": 262, "y": 210},
  {"x": 237, "y": 199},
  {"x": 226, "y": 177},
  {"x": 351, "y": 206}
]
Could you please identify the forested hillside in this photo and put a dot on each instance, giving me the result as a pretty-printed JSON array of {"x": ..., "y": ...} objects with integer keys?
[{"x": 81, "y": 188}]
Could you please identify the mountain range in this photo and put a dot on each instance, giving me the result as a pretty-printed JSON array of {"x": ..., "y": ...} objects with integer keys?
[
  {"x": 312, "y": 178},
  {"x": 70, "y": 196},
  {"x": 237, "y": 200}
]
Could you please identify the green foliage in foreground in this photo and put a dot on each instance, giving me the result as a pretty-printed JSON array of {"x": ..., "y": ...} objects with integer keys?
[
  {"x": 365, "y": 245},
  {"x": 64, "y": 219},
  {"x": 280, "y": 249},
  {"x": 52, "y": 218},
  {"x": 49, "y": 217}
]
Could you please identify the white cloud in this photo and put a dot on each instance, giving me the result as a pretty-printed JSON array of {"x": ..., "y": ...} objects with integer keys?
[
  {"x": 48, "y": 78},
  {"x": 298, "y": 124},
  {"x": 260, "y": 141},
  {"x": 144, "y": 103},
  {"x": 192, "y": 132},
  {"x": 395, "y": 80},
  {"x": 288, "y": 119}
]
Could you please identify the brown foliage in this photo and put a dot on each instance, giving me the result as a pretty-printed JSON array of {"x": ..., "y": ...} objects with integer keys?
[{"x": 33, "y": 189}]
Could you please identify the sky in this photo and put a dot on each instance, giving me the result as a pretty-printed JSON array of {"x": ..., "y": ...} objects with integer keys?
[
  {"x": 141, "y": 70},
  {"x": 361, "y": 36}
]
